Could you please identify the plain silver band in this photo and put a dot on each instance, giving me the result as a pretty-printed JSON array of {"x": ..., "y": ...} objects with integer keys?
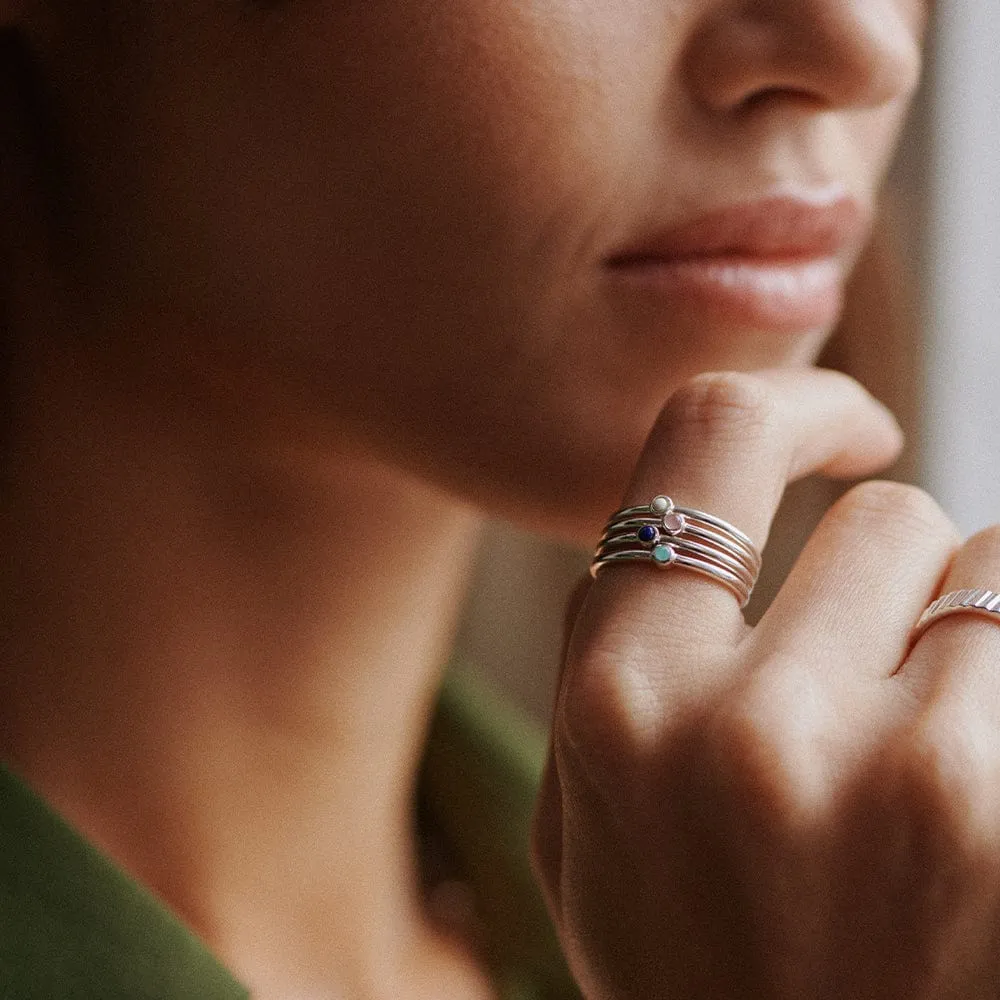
[
  {"x": 982, "y": 602},
  {"x": 733, "y": 583}
]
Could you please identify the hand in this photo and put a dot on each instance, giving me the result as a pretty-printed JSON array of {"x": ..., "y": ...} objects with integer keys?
[{"x": 808, "y": 809}]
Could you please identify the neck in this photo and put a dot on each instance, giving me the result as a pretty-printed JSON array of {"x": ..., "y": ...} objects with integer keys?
[{"x": 224, "y": 669}]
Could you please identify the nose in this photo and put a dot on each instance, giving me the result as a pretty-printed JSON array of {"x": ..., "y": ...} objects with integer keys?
[{"x": 829, "y": 53}]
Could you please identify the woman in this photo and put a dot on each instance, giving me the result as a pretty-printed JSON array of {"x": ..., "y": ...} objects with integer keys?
[{"x": 297, "y": 293}]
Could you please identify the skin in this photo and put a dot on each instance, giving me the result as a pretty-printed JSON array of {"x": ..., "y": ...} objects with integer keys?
[{"x": 324, "y": 264}]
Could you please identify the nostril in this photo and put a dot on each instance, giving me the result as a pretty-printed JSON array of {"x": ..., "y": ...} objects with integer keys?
[
  {"x": 772, "y": 95},
  {"x": 813, "y": 54}
]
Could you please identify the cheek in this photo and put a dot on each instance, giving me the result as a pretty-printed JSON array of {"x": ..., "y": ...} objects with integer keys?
[
  {"x": 462, "y": 124},
  {"x": 880, "y": 135},
  {"x": 439, "y": 182},
  {"x": 460, "y": 143},
  {"x": 386, "y": 206},
  {"x": 867, "y": 141}
]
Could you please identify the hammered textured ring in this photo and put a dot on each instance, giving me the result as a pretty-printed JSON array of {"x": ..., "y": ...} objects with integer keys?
[
  {"x": 981, "y": 602},
  {"x": 665, "y": 535}
]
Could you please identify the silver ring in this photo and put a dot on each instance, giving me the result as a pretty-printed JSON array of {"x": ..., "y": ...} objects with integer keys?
[
  {"x": 982, "y": 602},
  {"x": 665, "y": 535}
]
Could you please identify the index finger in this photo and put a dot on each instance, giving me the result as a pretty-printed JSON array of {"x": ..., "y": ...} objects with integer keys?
[{"x": 728, "y": 444}]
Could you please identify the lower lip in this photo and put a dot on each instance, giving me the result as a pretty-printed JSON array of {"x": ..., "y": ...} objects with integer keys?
[{"x": 778, "y": 295}]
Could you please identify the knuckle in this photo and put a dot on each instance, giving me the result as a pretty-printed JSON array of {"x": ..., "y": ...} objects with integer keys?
[
  {"x": 606, "y": 719},
  {"x": 623, "y": 725},
  {"x": 984, "y": 547},
  {"x": 723, "y": 403},
  {"x": 948, "y": 780},
  {"x": 897, "y": 506},
  {"x": 769, "y": 771}
]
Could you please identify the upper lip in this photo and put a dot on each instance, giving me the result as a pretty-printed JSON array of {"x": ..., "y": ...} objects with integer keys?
[{"x": 778, "y": 227}]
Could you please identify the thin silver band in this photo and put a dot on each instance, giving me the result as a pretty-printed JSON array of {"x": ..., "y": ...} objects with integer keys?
[{"x": 979, "y": 601}]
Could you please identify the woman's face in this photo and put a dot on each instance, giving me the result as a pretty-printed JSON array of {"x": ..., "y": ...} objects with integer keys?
[{"x": 481, "y": 238}]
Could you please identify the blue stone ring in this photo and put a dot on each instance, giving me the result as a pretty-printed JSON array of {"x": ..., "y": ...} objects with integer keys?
[{"x": 665, "y": 535}]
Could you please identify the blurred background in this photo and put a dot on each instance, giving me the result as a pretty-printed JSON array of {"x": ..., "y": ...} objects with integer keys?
[{"x": 932, "y": 352}]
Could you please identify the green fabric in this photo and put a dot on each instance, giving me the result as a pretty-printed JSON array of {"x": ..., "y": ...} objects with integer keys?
[{"x": 73, "y": 925}]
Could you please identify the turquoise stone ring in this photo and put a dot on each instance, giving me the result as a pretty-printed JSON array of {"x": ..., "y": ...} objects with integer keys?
[{"x": 663, "y": 555}]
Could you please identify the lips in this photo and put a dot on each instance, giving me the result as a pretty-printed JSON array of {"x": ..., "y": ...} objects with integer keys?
[{"x": 776, "y": 264}]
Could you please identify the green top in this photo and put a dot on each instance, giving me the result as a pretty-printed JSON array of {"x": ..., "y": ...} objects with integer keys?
[{"x": 72, "y": 924}]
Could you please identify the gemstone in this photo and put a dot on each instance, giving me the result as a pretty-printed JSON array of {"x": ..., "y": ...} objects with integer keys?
[
  {"x": 663, "y": 555},
  {"x": 648, "y": 534},
  {"x": 674, "y": 523},
  {"x": 661, "y": 505}
]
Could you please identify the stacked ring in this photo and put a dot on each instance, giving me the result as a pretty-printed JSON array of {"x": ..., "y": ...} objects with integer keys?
[{"x": 666, "y": 535}]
